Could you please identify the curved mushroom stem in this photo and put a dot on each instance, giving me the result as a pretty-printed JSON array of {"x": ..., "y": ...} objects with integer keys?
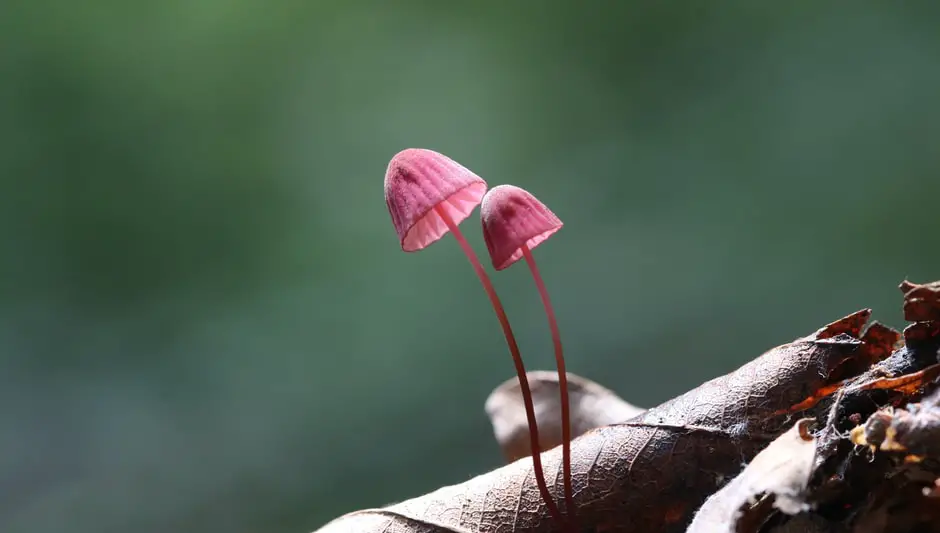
[
  {"x": 516, "y": 358},
  {"x": 562, "y": 384}
]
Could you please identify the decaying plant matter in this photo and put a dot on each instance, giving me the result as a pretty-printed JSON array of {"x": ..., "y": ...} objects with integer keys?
[{"x": 846, "y": 421}]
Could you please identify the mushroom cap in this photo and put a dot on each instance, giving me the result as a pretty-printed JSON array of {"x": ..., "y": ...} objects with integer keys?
[
  {"x": 512, "y": 217},
  {"x": 417, "y": 181}
]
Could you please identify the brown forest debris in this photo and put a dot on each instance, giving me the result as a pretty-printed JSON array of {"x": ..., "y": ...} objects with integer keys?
[
  {"x": 921, "y": 302},
  {"x": 779, "y": 473},
  {"x": 652, "y": 472}
]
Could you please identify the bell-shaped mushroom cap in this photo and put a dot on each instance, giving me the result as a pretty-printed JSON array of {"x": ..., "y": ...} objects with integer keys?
[
  {"x": 417, "y": 181},
  {"x": 512, "y": 217}
]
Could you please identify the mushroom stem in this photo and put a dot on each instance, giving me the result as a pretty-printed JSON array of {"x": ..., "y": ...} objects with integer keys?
[
  {"x": 562, "y": 383},
  {"x": 516, "y": 358}
]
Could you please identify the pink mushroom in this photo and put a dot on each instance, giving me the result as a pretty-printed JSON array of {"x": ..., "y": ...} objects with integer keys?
[
  {"x": 429, "y": 194},
  {"x": 515, "y": 222}
]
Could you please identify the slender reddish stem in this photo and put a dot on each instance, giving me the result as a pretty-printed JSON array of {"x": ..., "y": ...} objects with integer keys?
[
  {"x": 516, "y": 359},
  {"x": 562, "y": 384}
]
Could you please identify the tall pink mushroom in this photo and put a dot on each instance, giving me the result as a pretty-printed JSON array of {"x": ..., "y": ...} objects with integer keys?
[
  {"x": 515, "y": 222},
  {"x": 429, "y": 194}
]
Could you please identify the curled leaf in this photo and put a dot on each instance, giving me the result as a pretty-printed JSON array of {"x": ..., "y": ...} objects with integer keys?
[{"x": 592, "y": 406}]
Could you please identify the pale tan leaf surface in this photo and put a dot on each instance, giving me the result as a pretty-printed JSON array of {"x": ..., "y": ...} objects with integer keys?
[
  {"x": 592, "y": 406},
  {"x": 782, "y": 470}
]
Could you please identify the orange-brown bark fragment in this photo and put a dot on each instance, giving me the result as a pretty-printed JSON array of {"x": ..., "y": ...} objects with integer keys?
[
  {"x": 907, "y": 384},
  {"x": 811, "y": 401}
]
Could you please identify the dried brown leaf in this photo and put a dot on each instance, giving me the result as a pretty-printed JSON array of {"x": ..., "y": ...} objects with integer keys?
[
  {"x": 881, "y": 341},
  {"x": 592, "y": 406},
  {"x": 652, "y": 472}
]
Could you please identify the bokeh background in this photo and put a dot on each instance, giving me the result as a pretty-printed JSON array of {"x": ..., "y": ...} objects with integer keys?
[{"x": 206, "y": 324}]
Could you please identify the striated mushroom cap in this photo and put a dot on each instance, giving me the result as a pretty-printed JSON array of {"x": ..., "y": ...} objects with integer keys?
[
  {"x": 417, "y": 181},
  {"x": 512, "y": 217}
]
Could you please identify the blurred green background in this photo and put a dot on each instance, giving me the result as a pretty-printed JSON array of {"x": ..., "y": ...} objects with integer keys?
[{"x": 206, "y": 324}]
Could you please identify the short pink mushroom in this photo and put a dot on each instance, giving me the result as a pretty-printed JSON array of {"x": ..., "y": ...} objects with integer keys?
[
  {"x": 515, "y": 222},
  {"x": 429, "y": 194}
]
